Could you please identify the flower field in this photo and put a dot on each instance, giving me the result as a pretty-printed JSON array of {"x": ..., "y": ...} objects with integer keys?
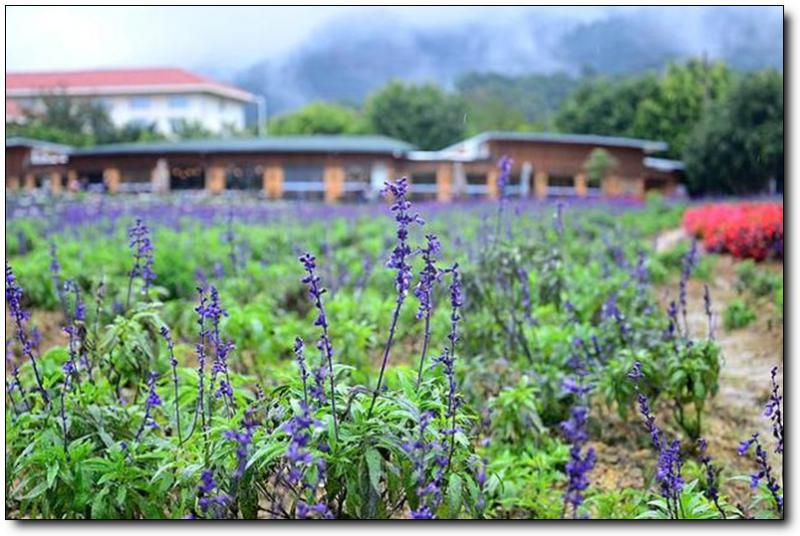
[{"x": 201, "y": 359}]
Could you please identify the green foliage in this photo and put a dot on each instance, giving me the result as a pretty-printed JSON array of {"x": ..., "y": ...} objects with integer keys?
[
  {"x": 598, "y": 164},
  {"x": 423, "y": 115},
  {"x": 537, "y": 305},
  {"x": 319, "y": 118},
  {"x": 606, "y": 106},
  {"x": 738, "y": 146},
  {"x": 81, "y": 123},
  {"x": 501, "y": 102},
  {"x": 737, "y": 314}
]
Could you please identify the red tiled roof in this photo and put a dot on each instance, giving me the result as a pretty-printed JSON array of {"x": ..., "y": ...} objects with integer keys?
[{"x": 110, "y": 78}]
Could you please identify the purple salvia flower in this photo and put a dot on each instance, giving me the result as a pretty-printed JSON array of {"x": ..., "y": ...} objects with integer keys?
[
  {"x": 165, "y": 334},
  {"x": 774, "y": 410},
  {"x": 712, "y": 474},
  {"x": 55, "y": 275},
  {"x": 301, "y": 363},
  {"x": 153, "y": 400},
  {"x": 211, "y": 504},
  {"x": 139, "y": 236},
  {"x": 299, "y": 459},
  {"x": 688, "y": 265},
  {"x": 668, "y": 472},
  {"x": 576, "y": 432},
  {"x": 429, "y": 275},
  {"x": 14, "y": 295},
  {"x": 765, "y": 471},
  {"x": 311, "y": 280},
  {"x": 447, "y": 360},
  {"x": 504, "y": 164},
  {"x": 399, "y": 262},
  {"x": 422, "y": 452}
]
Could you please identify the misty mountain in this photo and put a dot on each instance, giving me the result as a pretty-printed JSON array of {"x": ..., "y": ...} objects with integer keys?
[{"x": 352, "y": 56}]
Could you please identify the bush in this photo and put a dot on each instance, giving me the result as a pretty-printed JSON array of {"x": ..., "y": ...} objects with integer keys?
[{"x": 737, "y": 315}]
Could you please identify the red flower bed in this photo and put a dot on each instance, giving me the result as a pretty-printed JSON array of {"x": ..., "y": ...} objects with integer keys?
[{"x": 745, "y": 230}]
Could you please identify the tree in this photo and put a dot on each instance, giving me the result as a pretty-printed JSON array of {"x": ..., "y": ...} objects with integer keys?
[
  {"x": 683, "y": 95},
  {"x": 605, "y": 106},
  {"x": 738, "y": 146},
  {"x": 597, "y": 165},
  {"x": 318, "y": 118},
  {"x": 423, "y": 115},
  {"x": 81, "y": 123},
  {"x": 185, "y": 129},
  {"x": 500, "y": 102}
]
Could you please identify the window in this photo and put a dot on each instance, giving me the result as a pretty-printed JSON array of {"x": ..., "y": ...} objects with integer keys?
[
  {"x": 302, "y": 173},
  {"x": 244, "y": 177},
  {"x": 140, "y": 102},
  {"x": 178, "y": 101},
  {"x": 103, "y": 102},
  {"x": 562, "y": 181}
]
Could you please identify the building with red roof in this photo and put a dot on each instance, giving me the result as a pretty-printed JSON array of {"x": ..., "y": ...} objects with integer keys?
[{"x": 164, "y": 97}]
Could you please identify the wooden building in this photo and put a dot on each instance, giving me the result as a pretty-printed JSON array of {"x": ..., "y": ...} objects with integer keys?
[{"x": 341, "y": 168}]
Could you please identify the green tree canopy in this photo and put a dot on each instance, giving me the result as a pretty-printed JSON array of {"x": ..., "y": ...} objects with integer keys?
[
  {"x": 681, "y": 98},
  {"x": 605, "y": 106},
  {"x": 738, "y": 146},
  {"x": 423, "y": 115},
  {"x": 318, "y": 118},
  {"x": 80, "y": 123},
  {"x": 598, "y": 164}
]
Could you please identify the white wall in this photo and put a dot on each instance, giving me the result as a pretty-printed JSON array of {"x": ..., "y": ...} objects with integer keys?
[{"x": 212, "y": 111}]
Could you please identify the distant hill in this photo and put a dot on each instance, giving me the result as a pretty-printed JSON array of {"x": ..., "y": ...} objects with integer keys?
[{"x": 350, "y": 58}]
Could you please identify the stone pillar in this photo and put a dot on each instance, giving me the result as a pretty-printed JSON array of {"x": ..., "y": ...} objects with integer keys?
[
  {"x": 215, "y": 179},
  {"x": 525, "y": 180},
  {"x": 540, "y": 184},
  {"x": 12, "y": 182},
  {"x": 159, "y": 177},
  {"x": 581, "y": 187},
  {"x": 333, "y": 178},
  {"x": 444, "y": 182},
  {"x": 273, "y": 181},
  {"x": 55, "y": 182},
  {"x": 30, "y": 181},
  {"x": 72, "y": 181},
  {"x": 112, "y": 177},
  {"x": 492, "y": 188}
]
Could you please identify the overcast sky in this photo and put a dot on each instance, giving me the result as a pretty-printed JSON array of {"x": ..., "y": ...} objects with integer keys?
[{"x": 218, "y": 38}]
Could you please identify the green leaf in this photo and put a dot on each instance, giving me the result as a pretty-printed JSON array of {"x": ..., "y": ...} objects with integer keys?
[
  {"x": 374, "y": 467},
  {"x": 454, "y": 490},
  {"x": 52, "y": 473}
]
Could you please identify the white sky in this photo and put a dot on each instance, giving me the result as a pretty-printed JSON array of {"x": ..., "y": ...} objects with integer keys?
[{"x": 224, "y": 39}]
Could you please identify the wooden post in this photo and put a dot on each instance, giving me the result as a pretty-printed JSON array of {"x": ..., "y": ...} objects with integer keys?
[
  {"x": 215, "y": 179},
  {"x": 55, "y": 182},
  {"x": 611, "y": 185},
  {"x": 540, "y": 184},
  {"x": 30, "y": 181},
  {"x": 12, "y": 182},
  {"x": 492, "y": 188},
  {"x": 580, "y": 185},
  {"x": 273, "y": 181},
  {"x": 444, "y": 182},
  {"x": 333, "y": 178},
  {"x": 72, "y": 181},
  {"x": 638, "y": 187},
  {"x": 111, "y": 176}
]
